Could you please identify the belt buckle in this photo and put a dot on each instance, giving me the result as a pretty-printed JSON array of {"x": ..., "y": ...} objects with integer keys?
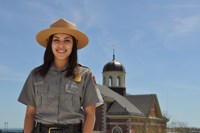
[{"x": 52, "y": 128}]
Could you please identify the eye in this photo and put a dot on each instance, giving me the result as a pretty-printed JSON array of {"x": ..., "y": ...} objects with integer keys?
[
  {"x": 67, "y": 40},
  {"x": 55, "y": 40}
]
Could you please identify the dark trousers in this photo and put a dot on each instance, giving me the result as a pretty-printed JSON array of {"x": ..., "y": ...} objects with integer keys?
[{"x": 70, "y": 128}]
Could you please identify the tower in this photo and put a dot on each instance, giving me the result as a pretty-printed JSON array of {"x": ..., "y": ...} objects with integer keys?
[{"x": 114, "y": 76}]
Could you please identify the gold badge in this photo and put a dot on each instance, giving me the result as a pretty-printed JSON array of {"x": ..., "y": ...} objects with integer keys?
[{"x": 77, "y": 78}]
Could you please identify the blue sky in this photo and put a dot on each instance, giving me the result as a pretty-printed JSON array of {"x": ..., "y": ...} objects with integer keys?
[{"x": 156, "y": 40}]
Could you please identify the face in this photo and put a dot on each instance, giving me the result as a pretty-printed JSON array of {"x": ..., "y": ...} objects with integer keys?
[{"x": 62, "y": 45}]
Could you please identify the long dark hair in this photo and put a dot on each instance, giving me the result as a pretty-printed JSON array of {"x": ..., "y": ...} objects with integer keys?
[{"x": 49, "y": 59}]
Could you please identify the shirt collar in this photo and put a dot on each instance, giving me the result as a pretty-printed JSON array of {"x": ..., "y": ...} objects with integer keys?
[{"x": 53, "y": 68}]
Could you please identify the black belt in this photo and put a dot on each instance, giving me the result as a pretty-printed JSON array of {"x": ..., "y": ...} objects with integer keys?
[{"x": 69, "y": 128}]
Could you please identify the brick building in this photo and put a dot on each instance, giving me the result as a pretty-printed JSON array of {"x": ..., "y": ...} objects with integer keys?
[{"x": 125, "y": 113}]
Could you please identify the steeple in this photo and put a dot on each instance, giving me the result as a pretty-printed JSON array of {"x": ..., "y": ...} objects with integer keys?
[
  {"x": 114, "y": 76},
  {"x": 113, "y": 54}
]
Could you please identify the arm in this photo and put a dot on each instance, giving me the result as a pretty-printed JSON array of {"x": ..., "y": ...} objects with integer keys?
[
  {"x": 89, "y": 119},
  {"x": 29, "y": 119}
]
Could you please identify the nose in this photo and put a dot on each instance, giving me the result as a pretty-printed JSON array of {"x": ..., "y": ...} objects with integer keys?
[{"x": 61, "y": 44}]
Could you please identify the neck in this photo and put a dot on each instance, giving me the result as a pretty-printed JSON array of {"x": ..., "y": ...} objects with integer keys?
[{"x": 59, "y": 64}]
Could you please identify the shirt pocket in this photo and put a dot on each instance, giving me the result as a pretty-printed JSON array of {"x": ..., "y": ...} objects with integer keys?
[
  {"x": 74, "y": 91},
  {"x": 41, "y": 92},
  {"x": 74, "y": 88}
]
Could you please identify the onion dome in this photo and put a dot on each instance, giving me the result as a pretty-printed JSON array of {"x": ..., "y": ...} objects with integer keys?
[{"x": 113, "y": 66}]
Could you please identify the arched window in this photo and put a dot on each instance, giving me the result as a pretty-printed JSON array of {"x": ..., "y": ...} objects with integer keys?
[
  {"x": 116, "y": 130},
  {"x": 118, "y": 81},
  {"x": 110, "y": 82}
]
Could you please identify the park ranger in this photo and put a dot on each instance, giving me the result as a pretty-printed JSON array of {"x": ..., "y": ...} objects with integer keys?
[{"x": 61, "y": 95}]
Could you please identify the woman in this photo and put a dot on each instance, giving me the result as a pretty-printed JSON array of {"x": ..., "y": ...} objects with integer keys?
[{"x": 61, "y": 95}]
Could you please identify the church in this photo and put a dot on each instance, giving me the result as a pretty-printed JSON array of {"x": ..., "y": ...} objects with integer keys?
[{"x": 126, "y": 113}]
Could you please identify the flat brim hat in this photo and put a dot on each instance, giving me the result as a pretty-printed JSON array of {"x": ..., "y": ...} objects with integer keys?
[{"x": 62, "y": 26}]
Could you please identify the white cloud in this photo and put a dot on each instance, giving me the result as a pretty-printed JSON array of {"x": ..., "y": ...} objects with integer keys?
[
  {"x": 183, "y": 34},
  {"x": 184, "y": 26}
]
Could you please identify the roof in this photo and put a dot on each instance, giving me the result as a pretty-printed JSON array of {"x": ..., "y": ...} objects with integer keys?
[
  {"x": 117, "y": 109},
  {"x": 114, "y": 66},
  {"x": 144, "y": 102},
  {"x": 120, "y": 104}
]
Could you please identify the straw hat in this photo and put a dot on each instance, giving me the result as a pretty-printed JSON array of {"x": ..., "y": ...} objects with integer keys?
[{"x": 62, "y": 26}]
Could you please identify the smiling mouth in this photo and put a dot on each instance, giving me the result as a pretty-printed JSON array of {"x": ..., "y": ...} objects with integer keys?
[{"x": 61, "y": 51}]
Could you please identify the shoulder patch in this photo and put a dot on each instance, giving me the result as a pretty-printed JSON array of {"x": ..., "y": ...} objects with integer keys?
[{"x": 83, "y": 69}]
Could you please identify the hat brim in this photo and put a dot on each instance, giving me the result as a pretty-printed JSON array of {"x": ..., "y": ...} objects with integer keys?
[{"x": 43, "y": 35}]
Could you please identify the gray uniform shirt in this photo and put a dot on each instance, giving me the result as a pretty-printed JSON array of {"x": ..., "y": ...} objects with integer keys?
[{"x": 57, "y": 99}]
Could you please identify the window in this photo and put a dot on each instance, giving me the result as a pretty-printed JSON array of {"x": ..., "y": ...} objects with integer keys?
[
  {"x": 110, "y": 81},
  {"x": 118, "y": 81},
  {"x": 116, "y": 130},
  {"x": 153, "y": 112}
]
